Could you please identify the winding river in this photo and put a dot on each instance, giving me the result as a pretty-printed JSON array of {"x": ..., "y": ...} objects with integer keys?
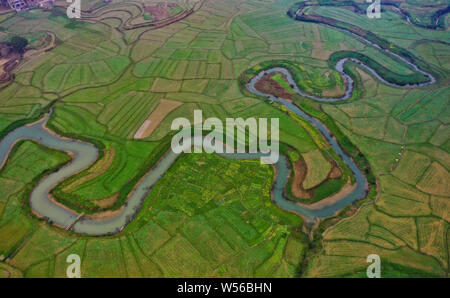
[{"x": 84, "y": 154}]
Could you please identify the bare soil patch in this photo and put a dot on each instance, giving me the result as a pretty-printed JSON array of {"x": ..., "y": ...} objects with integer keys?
[
  {"x": 269, "y": 86},
  {"x": 107, "y": 202},
  {"x": 156, "y": 117},
  {"x": 336, "y": 91},
  {"x": 160, "y": 11},
  {"x": 105, "y": 214},
  {"x": 300, "y": 171},
  {"x": 9, "y": 59},
  {"x": 346, "y": 190},
  {"x": 335, "y": 172}
]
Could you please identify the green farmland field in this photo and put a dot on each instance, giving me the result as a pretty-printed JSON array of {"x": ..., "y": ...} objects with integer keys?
[{"x": 104, "y": 75}]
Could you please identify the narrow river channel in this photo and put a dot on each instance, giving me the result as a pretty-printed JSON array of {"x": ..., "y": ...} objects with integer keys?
[{"x": 84, "y": 154}]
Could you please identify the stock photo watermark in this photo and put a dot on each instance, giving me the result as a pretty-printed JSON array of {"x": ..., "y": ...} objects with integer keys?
[
  {"x": 374, "y": 9},
  {"x": 374, "y": 269},
  {"x": 214, "y": 142},
  {"x": 74, "y": 269},
  {"x": 74, "y": 9}
]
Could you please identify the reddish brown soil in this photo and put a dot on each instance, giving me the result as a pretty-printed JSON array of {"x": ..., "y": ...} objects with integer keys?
[
  {"x": 300, "y": 172},
  {"x": 9, "y": 59},
  {"x": 160, "y": 11},
  {"x": 335, "y": 172},
  {"x": 268, "y": 85},
  {"x": 163, "y": 23},
  {"x": 297, "y": 189}
]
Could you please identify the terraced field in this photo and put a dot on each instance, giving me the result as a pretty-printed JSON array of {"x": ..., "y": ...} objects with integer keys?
[{"x": 211, "y": 216}]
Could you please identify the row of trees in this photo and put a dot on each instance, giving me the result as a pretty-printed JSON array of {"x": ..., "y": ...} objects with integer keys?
[{"x": 18, "y": 43}]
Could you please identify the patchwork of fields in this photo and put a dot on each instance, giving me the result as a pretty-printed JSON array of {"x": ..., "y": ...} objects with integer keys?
[
  {"x": 210, "y": 216},
  {"x": 207, "y": 223}
]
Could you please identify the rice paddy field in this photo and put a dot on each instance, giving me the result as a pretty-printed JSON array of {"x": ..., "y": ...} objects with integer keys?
[{"x": 209, "y": 216}]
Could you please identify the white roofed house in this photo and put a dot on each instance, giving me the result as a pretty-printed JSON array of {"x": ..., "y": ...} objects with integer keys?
[{"x": 18, "y": 5}]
